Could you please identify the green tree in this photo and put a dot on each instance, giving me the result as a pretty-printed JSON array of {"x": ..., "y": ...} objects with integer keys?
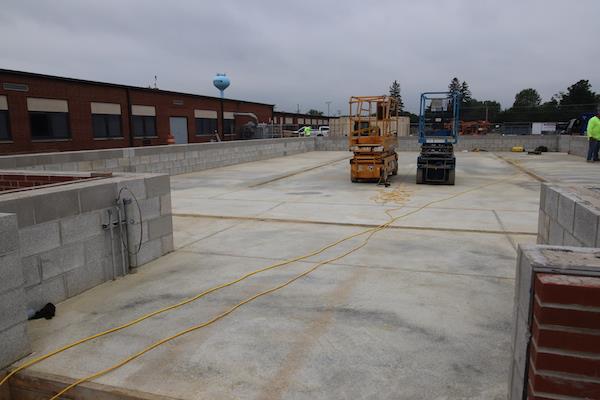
[
  {"x": 465, "y": 92},
  {"x": 527, "y": 98},
  {"x": 454, "y": 86},
  {"x": 314, "y": 112},
  {"x": 578, "y": 93},
  {"x": 395, "y": 93}
]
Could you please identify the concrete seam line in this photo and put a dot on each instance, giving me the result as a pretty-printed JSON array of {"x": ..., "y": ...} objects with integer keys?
[
  {"x": 522, "y": 168},
  {"x": 209, "y": 253},
  {"x": 297, "y": 172},
  {"x": 350, "y": 224}
]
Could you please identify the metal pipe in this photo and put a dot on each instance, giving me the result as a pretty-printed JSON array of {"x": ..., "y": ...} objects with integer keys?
[
  {"x": 124, "y": 266},
  {"x": 112, "y": 243}
]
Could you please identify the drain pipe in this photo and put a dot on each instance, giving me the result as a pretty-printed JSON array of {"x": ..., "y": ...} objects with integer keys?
[
  {"x": 122, "y": 220},
  {"x": 110, "y": 227},
  {"x": 128, "y": 222}
]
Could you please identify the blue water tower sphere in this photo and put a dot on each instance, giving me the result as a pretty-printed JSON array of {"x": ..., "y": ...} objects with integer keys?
[{"x": 221, "y": 82}]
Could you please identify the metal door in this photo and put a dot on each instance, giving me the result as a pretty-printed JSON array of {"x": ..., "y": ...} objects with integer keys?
[{"x": 179, "y": 129}]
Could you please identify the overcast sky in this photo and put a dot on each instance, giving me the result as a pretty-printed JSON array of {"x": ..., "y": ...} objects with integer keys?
[{"x": 309, "y": 52}]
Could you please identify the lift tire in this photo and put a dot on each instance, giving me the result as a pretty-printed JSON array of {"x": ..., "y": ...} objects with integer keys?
[
  {"x": 354, "y": 180},
  {"x": 451, "y": 176},
  {"x": 420, "y": 176},
  {"x": 395, "y": 170}
]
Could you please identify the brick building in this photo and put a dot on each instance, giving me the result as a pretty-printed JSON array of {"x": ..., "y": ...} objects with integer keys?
[
  {"x": 40, "y": 113},
  {"x": 293, "y": 121}
]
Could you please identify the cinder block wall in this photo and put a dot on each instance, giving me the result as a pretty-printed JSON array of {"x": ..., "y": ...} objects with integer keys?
[
  {"x": 65, "y": 250},
  {"x": 173, "y": 159},
  {"x": 576, "y": 145},
  {"x": 488, "y": 142},
  {"x": 14, "y": 342},
  {"x": 569, "y": 215},
  {"x": 556, "y": 344}
]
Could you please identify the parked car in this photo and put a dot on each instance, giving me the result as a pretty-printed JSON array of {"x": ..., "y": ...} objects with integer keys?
[
  {"x": 323, "y": 131},
  {"x": 300, "y": 132}
]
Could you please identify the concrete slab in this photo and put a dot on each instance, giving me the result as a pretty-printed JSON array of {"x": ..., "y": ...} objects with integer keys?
[{"x": 424, "y": 310}]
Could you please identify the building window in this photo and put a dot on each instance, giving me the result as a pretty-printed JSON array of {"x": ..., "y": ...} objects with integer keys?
[
  {"x": 143, "y": 125},
  {"x": 49, "y": 125},
  {"x": 4, "y": 130},
  {"x": 106, "y": 125},
  {"x": 229, "y": 125},
  {"x": 206, "y": 126}
]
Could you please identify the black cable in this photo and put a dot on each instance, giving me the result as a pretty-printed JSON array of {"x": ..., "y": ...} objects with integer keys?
[{"x": 139, "y": 247}]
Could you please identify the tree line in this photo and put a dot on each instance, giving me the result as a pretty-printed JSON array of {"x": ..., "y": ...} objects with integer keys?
[{"x": 579, "y": 98}]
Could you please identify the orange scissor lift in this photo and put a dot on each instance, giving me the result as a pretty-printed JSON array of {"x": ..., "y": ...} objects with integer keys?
[{"x": 373, "y": 138}]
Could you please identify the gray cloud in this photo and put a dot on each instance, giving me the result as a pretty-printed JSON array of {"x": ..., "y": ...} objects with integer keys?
[{"x": 309, "y": 52}]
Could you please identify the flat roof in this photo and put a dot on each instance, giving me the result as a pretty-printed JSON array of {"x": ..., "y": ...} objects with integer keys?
[{"x": 117, "y": 85}]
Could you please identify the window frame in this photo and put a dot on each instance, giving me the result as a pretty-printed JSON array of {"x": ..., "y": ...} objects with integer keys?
[
  {"x": 8, "y": 131},
  {"x": 230, "y": 122},
  {"x": 144, "y": 119},
  {"x": 52, "y": 136},
  {"x": 213, "y": 122},
  {"x": 106, "y": 118}
]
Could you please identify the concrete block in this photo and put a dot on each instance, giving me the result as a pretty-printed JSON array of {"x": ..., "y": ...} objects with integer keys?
[
  {"x": 570, "y": 240},
  {"x": 65, "y": 258},
  {"x": 9, "y": 238},
  {"x": 23, "y": 207},
  {"x": 150, "y": 208},
  {"x": 165, "y": 204},
  {"x": 135, "y": 186},
  {"x": 157, "y": 185},
  {"x": 15, "y": 345},
  {"x": 97, "y": 247},
  {"x": 32, "y": 274},
  {"x": 51, "y": 291},
  {"x": 586, "y": 225},
  {"x": 11, "y": 272},
  {"x": 51, "y": 206},
  {"x": 161, "y": 226},
  {"x": 39, "y": 238},
  {"x": 524, "y": 285},
  {"x": 167, "y": 244},
  {"x": 150, "y": 250},
  {"x": 566, "y": 212},
  {"x": 86, "y": 277},
  {"x": 555, "y": 233},
  {"x": 80, "y": 227},
  {"x": 542, "y": 228},
  {"x": 551, "y": 203},
  {"x": 97, "y": 197},
  {"x": 12, "y": 308}
]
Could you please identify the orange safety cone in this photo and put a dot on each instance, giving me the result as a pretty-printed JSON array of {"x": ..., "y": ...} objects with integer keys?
[{"x": 170, "y": 139}]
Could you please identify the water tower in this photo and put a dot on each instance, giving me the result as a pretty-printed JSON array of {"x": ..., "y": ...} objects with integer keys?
[{"x": 221, "y": 82}]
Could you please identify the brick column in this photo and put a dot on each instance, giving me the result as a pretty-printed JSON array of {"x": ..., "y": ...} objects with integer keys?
[{"x": 564, "y": 354}]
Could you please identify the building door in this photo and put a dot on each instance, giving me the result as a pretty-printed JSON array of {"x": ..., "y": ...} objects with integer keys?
[{"x": 179, "y": 129}]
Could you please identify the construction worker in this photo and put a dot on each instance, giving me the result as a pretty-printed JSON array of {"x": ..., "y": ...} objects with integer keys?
[
  {"x": 593, "y": 133},
  {"x": 307, "y": 131}
]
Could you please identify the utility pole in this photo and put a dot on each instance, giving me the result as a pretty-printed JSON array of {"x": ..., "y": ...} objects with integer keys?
[
  {"x": 328, "y": 104},
  {"x": 298, "y": 109},
  {"x": 486, "y": 113}
]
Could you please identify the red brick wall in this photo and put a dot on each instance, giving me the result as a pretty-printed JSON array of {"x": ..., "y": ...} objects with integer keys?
[
  {"x": 564, "y": 353},
  {"x": 80, "y": 94},
  {"x": 19, "y": 181}
]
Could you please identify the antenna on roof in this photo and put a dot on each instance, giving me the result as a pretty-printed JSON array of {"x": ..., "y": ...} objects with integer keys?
[{"x": 155, "y": 86}]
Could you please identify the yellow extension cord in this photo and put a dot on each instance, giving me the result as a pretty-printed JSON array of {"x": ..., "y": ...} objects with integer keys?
[{"x": 371, "y": 232}]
